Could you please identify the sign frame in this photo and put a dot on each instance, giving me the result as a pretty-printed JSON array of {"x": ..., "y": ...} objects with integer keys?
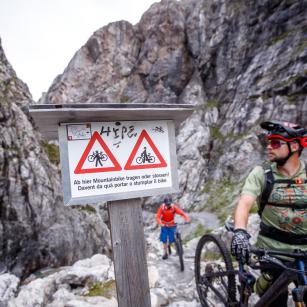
[{"x": 69, "y": 199}]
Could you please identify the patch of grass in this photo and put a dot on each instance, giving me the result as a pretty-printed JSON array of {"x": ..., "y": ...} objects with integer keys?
[
  {"x": 106, "y": 289},
  {"x": 52, "y": 151},
  {"x": 209, "y": 256},
  {"x": 216, "y": 133},
  {"x": 208, "y": 186},
  {"x": 212, "y": 103},
  {"x": 300, "y": 48},
  {"x": 280, "y": 37},
  {"x": 292, "y": 99},
  {"x": 289, "y": 81},
  {"x": 208, "y": 104},
  {"x": 253, "y": 97},
  {"x": 88, "y": 208},
  {"x": 198, "y": 232},
  {"x": 124, "y": 99},
  {"x": 221, "y": 194},
  {"x": 265, "y": 95}
]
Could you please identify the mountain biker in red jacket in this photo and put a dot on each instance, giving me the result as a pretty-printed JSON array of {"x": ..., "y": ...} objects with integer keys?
[{"x": 165, "y": 218}]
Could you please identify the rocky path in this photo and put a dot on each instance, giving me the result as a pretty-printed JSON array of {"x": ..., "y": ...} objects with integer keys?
[
  {"x": 71, "y": 286},
  {"x": 170, "y": 286}
]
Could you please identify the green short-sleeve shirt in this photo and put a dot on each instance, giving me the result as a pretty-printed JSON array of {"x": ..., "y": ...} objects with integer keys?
[{"x": 282, "y": 218}]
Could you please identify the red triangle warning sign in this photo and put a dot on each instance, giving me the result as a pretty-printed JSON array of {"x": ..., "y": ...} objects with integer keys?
[
  {"x": 93, "y": 162},
  {"x": 145, "y": 159}
]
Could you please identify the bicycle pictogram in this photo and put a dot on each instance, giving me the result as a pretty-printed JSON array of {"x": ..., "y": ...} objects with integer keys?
[
  {"x": 145, "y": 157},
  {"x": 97, "y": 157}
]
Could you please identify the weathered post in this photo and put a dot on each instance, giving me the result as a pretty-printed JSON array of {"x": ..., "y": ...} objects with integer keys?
[
  {"x": 128, "y": 244},
  {"x": 117, "y": 153}
]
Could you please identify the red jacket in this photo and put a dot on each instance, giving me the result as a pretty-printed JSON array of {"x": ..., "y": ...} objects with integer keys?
[{"x": 166, "y": 216}]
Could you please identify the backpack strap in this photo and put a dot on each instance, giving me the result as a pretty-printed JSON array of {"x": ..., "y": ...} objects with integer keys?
[
  {"x": 164, "y": 207},
  {"x": 293, "y": 181},
  {"x": 268, "y": 187},
  {"x": 282, "y": 236}
]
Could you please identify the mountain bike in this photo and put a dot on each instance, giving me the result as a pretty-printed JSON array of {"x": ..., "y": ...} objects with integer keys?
[
  {"x": 98, "y": 156},
  {"x": 178, "y": 246},
  {"x": 216, "y": 278},
  {"x": 145, "y": 158}
]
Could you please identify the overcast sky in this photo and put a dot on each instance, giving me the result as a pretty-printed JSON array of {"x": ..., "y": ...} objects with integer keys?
[{"x": 39, "y": 37}]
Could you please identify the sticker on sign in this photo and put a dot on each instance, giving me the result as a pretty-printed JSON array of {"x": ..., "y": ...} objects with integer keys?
[{"x": 117, "y": 160}]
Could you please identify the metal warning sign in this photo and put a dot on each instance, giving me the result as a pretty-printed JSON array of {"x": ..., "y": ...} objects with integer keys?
[{"x": 104, "y": 161}]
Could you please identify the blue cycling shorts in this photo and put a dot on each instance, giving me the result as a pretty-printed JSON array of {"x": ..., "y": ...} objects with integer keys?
[{"x": 167, "y": 232}]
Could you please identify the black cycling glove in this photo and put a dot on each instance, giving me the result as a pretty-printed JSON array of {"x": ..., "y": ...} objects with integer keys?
[{"x": 240, "y": 246}]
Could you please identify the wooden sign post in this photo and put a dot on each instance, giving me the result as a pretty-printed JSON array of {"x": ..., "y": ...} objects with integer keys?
[
  {"x": 117, "y": 153},
  {"x": 129, "y": 254}
]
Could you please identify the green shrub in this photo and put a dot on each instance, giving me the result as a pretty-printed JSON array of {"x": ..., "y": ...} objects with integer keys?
[
  {"x": 88, "y": 208},
  {"x": 221, "y": 195},
  {"x": 106, "y": 289},
  {"x": 52, "y": 151},
  {"x": 198, "y": 232}
]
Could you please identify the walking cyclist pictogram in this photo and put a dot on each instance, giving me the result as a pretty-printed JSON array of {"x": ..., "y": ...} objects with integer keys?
[
  {"x": 145, "y": 157},
  {"x": 142, "y": 156}
]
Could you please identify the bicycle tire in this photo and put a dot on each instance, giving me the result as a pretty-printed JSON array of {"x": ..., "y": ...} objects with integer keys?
[
  {"x": 91, "y": 158},
  {"x": 179, "y": 249},
  {"x": 103, "y": 157},
  {"x": 139, "y": 160},
  {"x": 151, "y": 159},
  {"x": 215, "y": 286}
]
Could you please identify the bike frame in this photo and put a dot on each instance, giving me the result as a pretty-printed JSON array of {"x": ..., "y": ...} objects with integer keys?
[{"x": 279, "y": 286}]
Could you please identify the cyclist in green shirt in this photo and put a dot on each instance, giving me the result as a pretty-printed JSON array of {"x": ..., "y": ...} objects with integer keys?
[{"x": 283, "y": 210}]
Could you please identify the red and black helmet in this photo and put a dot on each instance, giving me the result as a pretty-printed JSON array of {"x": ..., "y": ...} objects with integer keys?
[{"x": 285, "y": 131}]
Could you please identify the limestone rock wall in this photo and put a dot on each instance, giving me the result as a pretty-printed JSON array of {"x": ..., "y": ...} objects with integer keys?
[
  {"x": 35, "y": 229},
  {"x": 240, "y": 62}
]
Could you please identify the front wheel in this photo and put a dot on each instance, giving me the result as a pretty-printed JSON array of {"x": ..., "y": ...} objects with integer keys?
[
  {"x": 139, "y": 160},
  {"x": 214, "y": 273}
]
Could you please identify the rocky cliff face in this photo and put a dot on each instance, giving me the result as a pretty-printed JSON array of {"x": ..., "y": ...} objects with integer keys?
[
  {"x": 35, "y": 229},
  {"x": 240, "y": 62}
]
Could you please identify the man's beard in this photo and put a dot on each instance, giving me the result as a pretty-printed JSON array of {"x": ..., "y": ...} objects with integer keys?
[{"x": 281, "y": 161}]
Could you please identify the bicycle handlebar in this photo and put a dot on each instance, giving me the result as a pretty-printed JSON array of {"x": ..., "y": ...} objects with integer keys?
[
  {"x": 263, "y": 252},
  {"x": 175, "y": 224},
  {"x": 182, "y": 223},
  {"x": 266, "y": 254}
]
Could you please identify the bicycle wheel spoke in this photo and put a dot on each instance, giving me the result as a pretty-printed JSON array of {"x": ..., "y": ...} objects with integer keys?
[
  {"x": 211, "y": 302},
  {"x": 215, "y": 277}
]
